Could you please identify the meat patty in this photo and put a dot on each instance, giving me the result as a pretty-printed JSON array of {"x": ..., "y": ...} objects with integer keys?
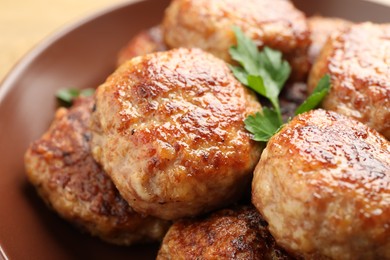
[
  {"x": 147, "y": 41},
  {"x": 66, "y": 176},
  {"x": 323, "y": 185},
  {"x": 237, "y": 233},
  {"x": 358, "y": 61},
  {"x": 321, "y": 28},
  {"x": 169, "y": 130},
  {"x": 208, "y": 25},
  {"x": 151, "y": 40}
]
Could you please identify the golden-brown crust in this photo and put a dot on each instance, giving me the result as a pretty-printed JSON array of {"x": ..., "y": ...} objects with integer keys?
[
  {"x": 321, "y": 28},
  {"x": 323, "y": 185},
  {"x": 237, "y": 233},
  {"x": 61, "y": 167},
  {"x": 169, "y": 130},
  {"x": 208, "y": 25},
  {"x": 147, "y": 41},
  {"x": 358, "y": 61},
  {"x": 151, "y": 40}
]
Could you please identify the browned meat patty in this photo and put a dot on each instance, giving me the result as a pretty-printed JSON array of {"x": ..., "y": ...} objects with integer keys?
[
  {"x": 358, "y": 61},
  {"x": 151, "y": 40},
  {"x": 321, "y": 28},
  {"x": 169, "y": 130},
  {"x": 323, "y": 185},
  {"x": 208, "y": 25},
  {"x": 145, "y": 42},
  {"x": 66, "y": 176},
  {"x": 238, "y": 233}
]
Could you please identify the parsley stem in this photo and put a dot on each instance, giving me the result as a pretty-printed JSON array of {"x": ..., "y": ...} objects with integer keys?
[
  {"x": 266, "y": 73},
  {"x": 275, "y": 104}
]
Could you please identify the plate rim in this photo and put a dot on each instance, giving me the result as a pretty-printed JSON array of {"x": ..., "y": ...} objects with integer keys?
[
  {"x": 38, "y": 48},
  {"x": 35, "y": 50},
  {"x": 7, "y": 83}
]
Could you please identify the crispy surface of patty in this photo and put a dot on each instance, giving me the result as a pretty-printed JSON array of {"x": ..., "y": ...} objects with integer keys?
[
  {"x": 145, "y": 42},
  {"x": 208, "y": 25},
  {"x": 150, "y": 40},
  {"x": 323, "y": 185},
  {"x": 237, "y": 233},
  {"x": 358, "y": 61},
  {"x": 321, "y": 28},
  {"x": 61, "y": 167},
  {"x": 169, "y": 130}
]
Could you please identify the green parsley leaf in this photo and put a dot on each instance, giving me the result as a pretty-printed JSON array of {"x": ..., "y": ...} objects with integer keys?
[
  {"x": 263, "y": 125},
  {"x": 240, "y": 74},
  {"x": 257, "y": 84},
  {"x": 316, "y": 97},
  {"x": 68, "y": 95},
  {"x": 268, "y": 63},
  {"x": 87, "y": 92},
  {"x": 266, "y": 73},
  {"x": 274, "y": 70},
  {"x": 245, "y": 53}
]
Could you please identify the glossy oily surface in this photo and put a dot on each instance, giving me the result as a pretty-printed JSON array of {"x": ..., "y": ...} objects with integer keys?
[
  {"x": 233, "y": 233},
  {"x": 60, "y": 165},
  {"x": 357, "y": 59},
  {"x": 321, "y": 27},
  {"x": 323, "y": 185},
  {"x": 82, "y": 56},
  {"x": 208, "y": 25},
  {"x": 169, "y": 130}
]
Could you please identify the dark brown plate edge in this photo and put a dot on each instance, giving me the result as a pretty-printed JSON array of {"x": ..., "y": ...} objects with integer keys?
[{"x": 24, "y": 63}]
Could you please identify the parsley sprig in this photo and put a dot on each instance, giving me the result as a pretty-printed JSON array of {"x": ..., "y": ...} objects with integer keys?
[
  {"x": 316, "y": 97},
  {"x": 67, "y": 95},
  {"x": 266, "y": 73}
]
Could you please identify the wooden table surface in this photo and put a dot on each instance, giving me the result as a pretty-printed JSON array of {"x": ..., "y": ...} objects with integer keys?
[{"x": 24, "y": 23}]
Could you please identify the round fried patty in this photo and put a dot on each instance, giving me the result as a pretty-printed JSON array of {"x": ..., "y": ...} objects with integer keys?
[
  {"x": 323, "y": 186},
  {"x": 236, "y": 233},
  {"x": 169, "y": 130},
  {"x": 62, "y": 169},
  {"x": 358, "y": 61},
  {"x": 209, "y": 25}
]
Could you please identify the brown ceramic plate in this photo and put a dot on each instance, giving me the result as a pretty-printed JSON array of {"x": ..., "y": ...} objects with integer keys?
[{"x": 82, "y": 55}]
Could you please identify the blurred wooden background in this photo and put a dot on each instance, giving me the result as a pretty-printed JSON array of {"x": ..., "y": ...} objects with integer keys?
[{"x": 24, "y": 23}]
